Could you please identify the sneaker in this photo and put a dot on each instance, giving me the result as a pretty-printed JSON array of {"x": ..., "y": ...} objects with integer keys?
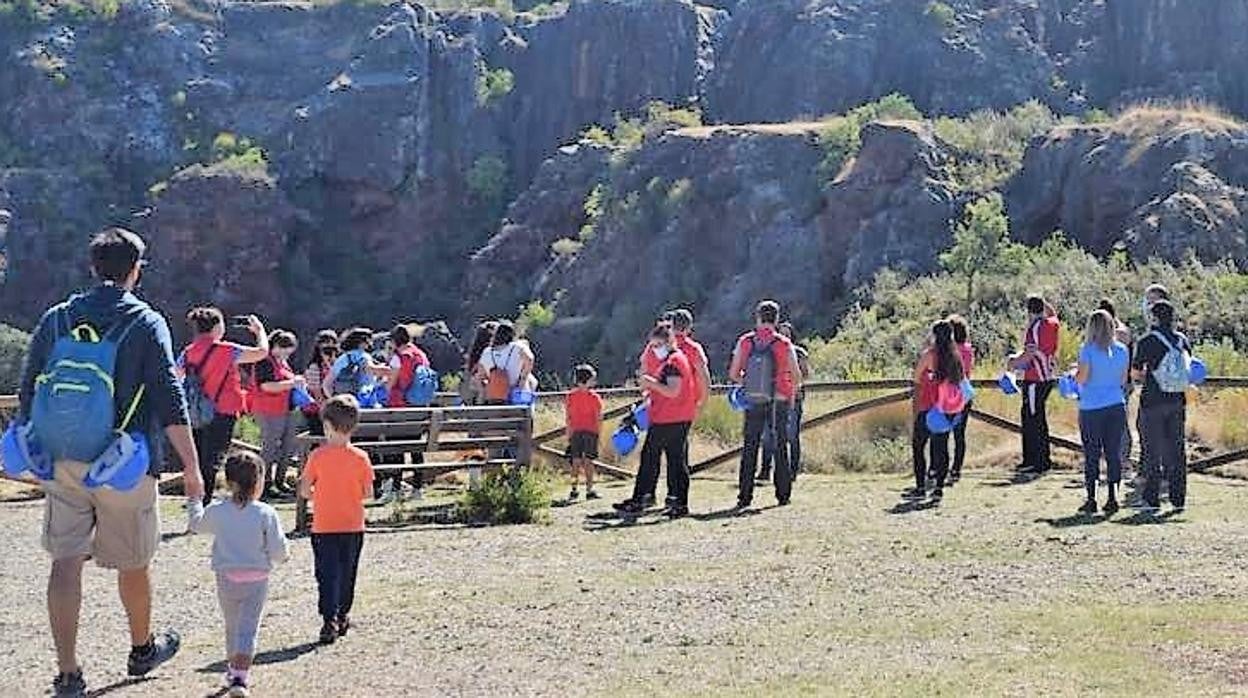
[
  {"x": 1089, "y": 507},
  {"x": 938, "y": 494},
  {"x": 764, "y": 475},
  {"x": 238, "y": 688},
  {"x": 69, "y": 685},
  {"x": 914, "y": 493},
  {"x": 329, "y": 633},
  {"x": 782, "y": 502},
  {"x": 591, "y": 494},
  {"x": 676, "y": 512},
  {"x": 344, "y": 625},
  {"x": 742, "y": 505},
  {"x": 574, "y": 495},
  {"x": 632, "y": 506},
  {"x": 386, "y": 495},
  {"x": 162, "y": 648},
  {"x": 1111, "y": 507}
]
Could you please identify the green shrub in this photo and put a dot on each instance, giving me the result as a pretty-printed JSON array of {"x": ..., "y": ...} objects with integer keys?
[
  {"x": 536, "y": 314},
  {"x": 989, "y": 146},
  {"x": 487, "y": 180},
  {"x": 518, "y": 496},
  {"x": 13, "y": 345},
  {"x": 493, "y": 84},
  {"x": 719, "y": 421},
  {"x": 944, "y": 16}
]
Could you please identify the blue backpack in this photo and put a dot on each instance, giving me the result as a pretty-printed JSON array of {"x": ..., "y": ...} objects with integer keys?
[
  {"x": 352, "y": 379},
  {"x": 74, "y": 411},
  {"x": 424, "y": 387}
]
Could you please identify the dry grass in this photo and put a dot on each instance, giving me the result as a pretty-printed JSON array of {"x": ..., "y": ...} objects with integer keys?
[
  {"x": 997, "y": 592},
  {"x": 1148, "y": 119}
]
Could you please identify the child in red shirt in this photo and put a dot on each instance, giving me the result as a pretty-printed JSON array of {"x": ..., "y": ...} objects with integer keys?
[{"x": 584, "y": 413}]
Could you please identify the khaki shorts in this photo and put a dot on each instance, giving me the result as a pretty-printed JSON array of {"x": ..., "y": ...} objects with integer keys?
[{"x": 119, "y": 529}]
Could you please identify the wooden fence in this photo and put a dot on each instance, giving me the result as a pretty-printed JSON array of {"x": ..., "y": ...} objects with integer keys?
[{"x": 897, "y": 391}]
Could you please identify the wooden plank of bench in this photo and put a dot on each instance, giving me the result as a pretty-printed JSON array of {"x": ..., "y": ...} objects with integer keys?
[
  {"x": 418, "y": 414},
  {"x": 444, "y": 465},
  {"x": 435, "y": 431},
  {"x": 404, "y": 445},
  {"x": 447, "y": 425}
]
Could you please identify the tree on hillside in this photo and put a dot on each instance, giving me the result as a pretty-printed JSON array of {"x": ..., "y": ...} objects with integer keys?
[{"x": 981, "y": 244}]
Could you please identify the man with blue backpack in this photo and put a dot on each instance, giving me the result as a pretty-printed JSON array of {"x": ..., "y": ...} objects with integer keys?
[
  {"x": 765, "y": 365},
  {"x": 100, "y": 391}
]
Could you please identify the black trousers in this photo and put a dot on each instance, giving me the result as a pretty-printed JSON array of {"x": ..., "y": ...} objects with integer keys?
[
  {"x": 757, "y": 421},
  {"x": 1164, "y": 447},
  {"x": 337, "y": 560},
  {"x": 959, "y": 442},
  {"x": 670, "y": 441},
  {"x": 212, "y": 441},
  {"x": 1035, "y": 420},
  {"x": 937, "y": 444}
]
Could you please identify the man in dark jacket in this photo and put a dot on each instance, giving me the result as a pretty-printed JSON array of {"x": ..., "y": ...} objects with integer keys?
[{"x": 119, "y": 529}]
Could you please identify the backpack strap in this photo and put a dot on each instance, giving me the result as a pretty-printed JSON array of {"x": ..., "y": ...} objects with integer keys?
[{"x": 1162, "y": 338}]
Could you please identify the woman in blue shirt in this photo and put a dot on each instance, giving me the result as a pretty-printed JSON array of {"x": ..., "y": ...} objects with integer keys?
[{"x": 1101, "y": 375}]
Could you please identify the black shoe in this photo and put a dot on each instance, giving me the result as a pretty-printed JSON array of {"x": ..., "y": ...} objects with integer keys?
[
  {"x": 914, "y": 493},
  {"x": 344, "y": 625},
  {"x": 591, "y": 494},
  {"x": 782, "y": 502},
  {"x": 676, "y": 512},
  {"x": 1111, "y": 507},
  {"x": 1089, "y": 507},
  {"x": 329, "y": 633},
  {"x": 635, "y": 505},
  {"x": 764, "y": 475},
  {"x": 938, "y": 494},
  {"x": 69, "y": 685},
  {"x": 161, "y": 648},
  {"x": 742, "y": 505}
]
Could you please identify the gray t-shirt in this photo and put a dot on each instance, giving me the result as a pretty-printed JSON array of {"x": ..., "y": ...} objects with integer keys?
[{"x": 249, "y": 537}]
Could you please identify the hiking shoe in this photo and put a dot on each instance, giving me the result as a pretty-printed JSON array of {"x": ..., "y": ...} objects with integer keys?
[
  {"x": 573, "y": 495},
  {"x": 676, "y": 512},
  {"x": 914, "y": 493},
  {"x": 782, "y": 502},
  {"x": 238, "y": 688},
  {"x": 632, "y": 507},
  {"x": 938, "y": 494},
  {"x": 764, "y": 475},
  {"x": 160, "y": 649},
  {"x": 742, "y": 505},
  {"x": 329, "y": 633},
  {"x": 70, "y": 685},
  {"x": 591, "y": 494},
  {"x": 344, "y": 625},
  {"x": 1089, "y": 507},
  {"x": 1111, "y": 507}
]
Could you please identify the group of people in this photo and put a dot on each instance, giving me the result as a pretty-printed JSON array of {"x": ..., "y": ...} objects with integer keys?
[
  {"x": 192, "y": 401},
  {"x": 1111, "y": 363}
]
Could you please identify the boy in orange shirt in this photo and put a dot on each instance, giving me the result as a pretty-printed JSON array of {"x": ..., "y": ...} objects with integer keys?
[
  {"x": 338, "y": 479},
  {"x": 584, "y": 413}
]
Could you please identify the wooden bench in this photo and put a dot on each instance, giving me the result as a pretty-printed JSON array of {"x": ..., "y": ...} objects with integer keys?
[{"x": 489, "y": 431}]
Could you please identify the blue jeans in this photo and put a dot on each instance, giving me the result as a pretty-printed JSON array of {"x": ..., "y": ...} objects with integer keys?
[{"x": 1101, "y": 431}]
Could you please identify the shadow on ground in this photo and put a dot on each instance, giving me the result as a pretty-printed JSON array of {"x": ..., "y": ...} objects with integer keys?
[{"x": 281, "y": 656}]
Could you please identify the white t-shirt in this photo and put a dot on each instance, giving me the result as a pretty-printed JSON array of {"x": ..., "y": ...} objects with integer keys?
[{"x": 509, "y": 357}]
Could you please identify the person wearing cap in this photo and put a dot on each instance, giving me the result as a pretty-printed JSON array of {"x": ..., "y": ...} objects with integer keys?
[
  {"x": 120, "y": 530},
  {"x": 1163, "y": 415}
]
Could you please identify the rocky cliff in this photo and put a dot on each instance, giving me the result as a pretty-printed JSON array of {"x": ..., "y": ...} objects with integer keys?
[{"x": 361, "y": 162}]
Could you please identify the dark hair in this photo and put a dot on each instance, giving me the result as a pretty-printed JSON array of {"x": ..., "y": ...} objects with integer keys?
[
  {"x": 961, "y": 333},
  {"x": 1163, "y": 312},
  {"x": 584, "y": 373},
  {"x": 1158, "y": 290},
  {"x": 1035, "y": 305},
  {"x": 948, "y": 363},
  {"x": 767, "y": 312},
  {"x": 401, "y": 335},
  {"x": 356, "y": 338},
  {"x": 481, "y": 341},
  {"x": 204, "y": 319},
  {"x": 504, "y": 333},
  {"x": 244, "y": 471},
  {"x": 327, "y": 337},
  {"x": 282, "y": 339},
  {"x": 114, "y": 254},
  {"x": 342, "y": 413},
  {"x": 682, "y": 319},
  {"x": 1108, "y": 306}
]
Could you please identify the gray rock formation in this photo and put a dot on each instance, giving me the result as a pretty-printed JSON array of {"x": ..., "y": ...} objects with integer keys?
[{"x": 1159, "y": 183}]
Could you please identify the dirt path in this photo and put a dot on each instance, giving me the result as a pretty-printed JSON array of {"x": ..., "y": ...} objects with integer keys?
[{"x": 996, "y": 592}]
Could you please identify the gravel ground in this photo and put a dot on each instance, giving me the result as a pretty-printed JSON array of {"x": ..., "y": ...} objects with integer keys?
[{"x": 998, "y": 591}]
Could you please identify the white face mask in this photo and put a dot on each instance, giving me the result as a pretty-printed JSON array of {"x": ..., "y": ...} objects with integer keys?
[{"x": 661, "y": 353}]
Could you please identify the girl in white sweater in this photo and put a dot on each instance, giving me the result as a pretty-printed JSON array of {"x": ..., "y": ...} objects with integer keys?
[{"x": 248, "y": 543}]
